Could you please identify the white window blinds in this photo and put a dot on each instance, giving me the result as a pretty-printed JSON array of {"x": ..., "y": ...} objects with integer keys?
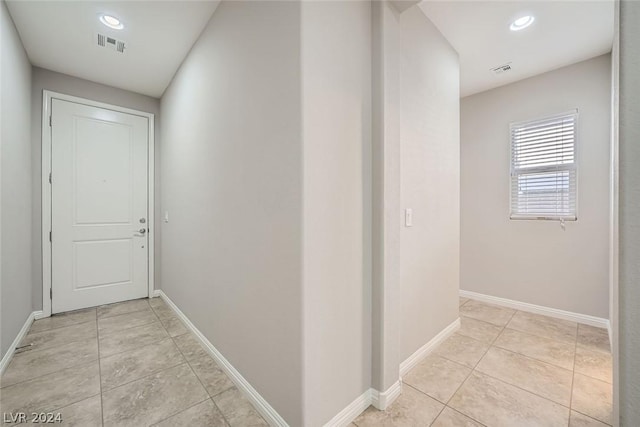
[{"x": 543, "y": 168}]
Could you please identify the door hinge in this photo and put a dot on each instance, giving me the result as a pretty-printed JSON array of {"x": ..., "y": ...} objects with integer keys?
[
  {"x": 50, "y": 293},
  {"x": 50, "y": 237},
  {"x": 49, "y": 121},
  {"x": 50, "y": 178}
]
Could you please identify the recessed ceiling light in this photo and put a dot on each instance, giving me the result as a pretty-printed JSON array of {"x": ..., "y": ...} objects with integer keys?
[
  {"x": 522, "y": 23},
  {"x": 111, "y": 22}
]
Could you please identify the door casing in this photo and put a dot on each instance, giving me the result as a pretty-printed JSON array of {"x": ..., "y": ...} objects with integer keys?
[{"x": 47, "y": 96}]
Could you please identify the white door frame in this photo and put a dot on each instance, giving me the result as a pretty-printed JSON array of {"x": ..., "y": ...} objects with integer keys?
[{"x": 47, "y": 97}]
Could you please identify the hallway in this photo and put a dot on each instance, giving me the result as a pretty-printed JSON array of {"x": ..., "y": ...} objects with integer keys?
[{"x": 245, "y": 213}]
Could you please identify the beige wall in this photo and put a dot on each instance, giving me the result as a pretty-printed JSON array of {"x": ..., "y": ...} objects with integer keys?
[
  {"x": 232, "y": 184},
  {"x": 44, "y": 79},
  {"x": 336, "y": 93},
  {"x": 614, "y": 190},
  {"x": 430, "y": 182},
  {"x": 15, "y": 183},
  {"x": 629, "y": 281},
  {"x": 385, "y": 196},
  {"x": 536, "y": 261}
]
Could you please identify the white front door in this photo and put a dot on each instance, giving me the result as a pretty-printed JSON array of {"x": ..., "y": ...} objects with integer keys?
[{"x": 99, "y": 206}]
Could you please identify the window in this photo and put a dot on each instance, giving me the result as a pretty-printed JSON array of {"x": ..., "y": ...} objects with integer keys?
[{"x": 543, "y": 168}]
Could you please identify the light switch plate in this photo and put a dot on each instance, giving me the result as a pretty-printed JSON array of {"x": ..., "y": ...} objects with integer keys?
[{"x": 408, "y": 217}]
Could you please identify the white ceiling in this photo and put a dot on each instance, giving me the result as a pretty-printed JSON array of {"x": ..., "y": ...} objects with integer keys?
[
  {"x": 60, "y": 36},
  {"x": 564, "y": 32}
]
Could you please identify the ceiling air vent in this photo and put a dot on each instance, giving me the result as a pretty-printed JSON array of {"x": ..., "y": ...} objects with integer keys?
[
  {"x": 110, "y": 43},
  {"x": 502, "y": 68}
]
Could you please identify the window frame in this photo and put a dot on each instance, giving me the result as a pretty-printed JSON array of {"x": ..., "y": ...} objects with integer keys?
[{"x": 574, "y": 167}]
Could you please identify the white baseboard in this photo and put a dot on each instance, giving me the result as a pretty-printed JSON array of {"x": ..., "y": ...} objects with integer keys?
[
  {"x": 351, "y": 412},
  {"x": 156, "y": 293},
  {"x": 6, "y": 359},
  {"x": 37, "y": 315},
  {"x": 538, "y": 309},
  {"x": 268, "y": 413},
  {"x": 426, "y": 349},
  {"x": 382, "y": 400}
]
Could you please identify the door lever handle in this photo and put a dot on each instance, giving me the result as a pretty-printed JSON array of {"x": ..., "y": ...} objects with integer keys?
[{"x": 142, "y": 231}]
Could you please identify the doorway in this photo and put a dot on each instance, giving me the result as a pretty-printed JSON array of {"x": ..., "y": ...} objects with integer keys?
[{"x": 97, "y": 168}]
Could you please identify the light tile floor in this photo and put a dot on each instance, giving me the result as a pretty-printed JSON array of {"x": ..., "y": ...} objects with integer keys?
[
  {"x": 127, "y": 364},
  {"x": 507, "y": 368}
]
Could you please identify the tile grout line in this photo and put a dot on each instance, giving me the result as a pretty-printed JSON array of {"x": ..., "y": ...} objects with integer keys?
[
  {"x": 523, "y": 355},
  {"x": 121, "y": 302},
  {"x": 98, "y": 360},
  {"x": 153, "y": 373},
  {"x": 194, "y": 373},
  {"x": 59, "y": 327},
  {"x": 517, "y": 386},
  {"x": 465, "y": 415},
  {"x": 202, "y": 384},
  {"x": 492, "y": 345},
  {"x": 524, "y": 389},
  {"x": 138, "y": 326},
  {"x": 535, "y": 336},
  {"x": 145, "y": 376},
  {"x": 573, "y": 373},
  {"x": 56, "y": 371},
  {"x": 55, "y": 346},
  {"x": 472, "y": 369},
  {"x": 117, "y": 331},
  {"x": 63, "y": 407},
  {"x": 86, "y": 362},
  {"x": 179, "y": 412},
  {"x": 476, "y": 365},
  {"x": 163, "y": 369},
  {"x": 520, "y": 388},
  {"x": 28, "y": 350},
  {"x": 591, "y": 418},
  {"x": 99, "y": 371},
  {"x": 135, "y": 348},
  {"x": 69, "y": 367},
  {"x": 120, "y": 385},
  {"x": 439, "y": 413}
]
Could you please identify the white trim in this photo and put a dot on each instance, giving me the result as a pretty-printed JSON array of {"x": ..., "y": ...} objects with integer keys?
[
  {"x": 46, "y": 203},
  {"x": 351, "y": 412},
  {"x": 538, "y": 309},
  {"x": 151, "y": 213},
  {"x": 382, "y": 400},
  {"x": 6, "y": 359},
  {"x": 426, "y": 349},
  {"x": 267, "y": 412},
  {"x": 47, "y": 96}
]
